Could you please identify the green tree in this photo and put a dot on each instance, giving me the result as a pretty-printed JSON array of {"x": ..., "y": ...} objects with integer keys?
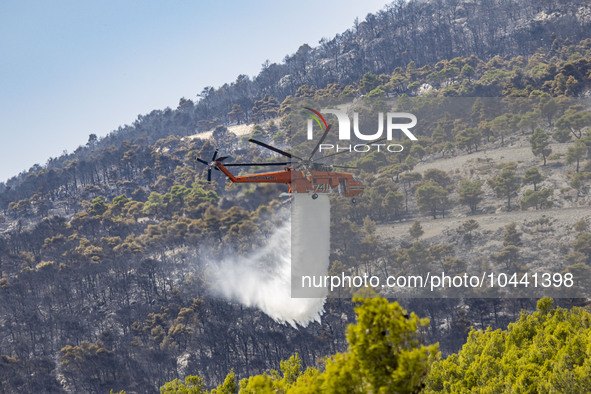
[
  {"x": 384, "y": 356},
  {"x": 306, "y": 91},
  {"x": 540, "y": 144},
  {"x": 411, "y": 71},
  {"x": 511, "y": 236},
  {"x": 550, "y": 108},
  {"x": 466, "y": 229},
  {"x": 118, "y": 204},
  {"x": 89, "y": 362},
  {"x": 393, "y": 204},
  {"x": 537, "y": 199},
  {"x": 368, "y": 83},
  {"x": 418, "y": 151},
  {"x": 192, "y": 385},
  {"x": 532, "y": 176},
  {"x": 432, "y": 198},
  {"x": 508, "y": 255},
  {"x": 576, "y": 181},
  {"x": 471, "y": 194},
  {"x": 410, "y": 162},
  {"x": 561, "y": 135},
  {"x": 576, "y": 153},
  {"x": 468, "y": 138},
  {"x": 502, "y": 126},
  {"x": 154, "y": 205},
  {"x": 230, "y": 385},
  {"x": 416, "y": 230},
  {"x": 97, "y": 207},
  {"x": 548, "y": 351},
  {"x": 467, "y": 72},
  {"x": 574, "y": 120},
  {"x": 265, "y": 108},
  {"x": 236, "y": 114},
  {"x": 530, "y": 120},
  {"x": 439, "y": 177},
  {"x": 505, "y": 184},
  {"x": 21, "y": 207},
  {"x": 272, "y": 383}
]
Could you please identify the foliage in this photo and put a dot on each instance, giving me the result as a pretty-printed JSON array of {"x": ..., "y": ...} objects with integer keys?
[
  {"x": 508, "y": 255},
  {"x": 416, "y": 230},
  {"x": 532, "y": 176},
  {"x": 384, "y": 355},
  {"x": 229, "y": 386},
  {"x": 537, "y": 199},
  {"x": 546, "y": 351},
  {"x": 192, "y": 385},
  {"x": 432, "y": 198},
  {"x": 97, "y": 207},
  {"x": 112, "y": 237},
  {"x": 576, "y": 153},
  {"x": 505, "y": 184},
  {"x": 511, "y": 236},
  {"x": 468, "y": 138},
  {"x": 466, "y": 229},
  {"x": 574, "y": 120},
  {"x": 540, "y": 144},
  {"x": 471, "y": 194}
]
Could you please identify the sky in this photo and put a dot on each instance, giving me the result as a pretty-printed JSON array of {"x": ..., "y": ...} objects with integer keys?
[{"x": 69, "y": 68}]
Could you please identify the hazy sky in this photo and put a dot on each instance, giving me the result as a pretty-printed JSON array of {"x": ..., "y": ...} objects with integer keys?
[{"x": 71, "y": 68}]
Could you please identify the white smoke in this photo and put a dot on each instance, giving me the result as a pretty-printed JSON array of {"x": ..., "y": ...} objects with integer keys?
[{"x": 269, "y": 286}]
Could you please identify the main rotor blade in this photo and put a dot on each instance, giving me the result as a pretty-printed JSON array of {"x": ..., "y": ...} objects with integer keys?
[
  {"x": 202, "y": 161},
  {"x": 273, "y": 149},
  {"x": 320, "y": 141},
  {"x": 356, "y": 168},
  {"x": 348, "y": 151},
  {"x": 256, "y": 164},
  {"x": 209, "y": 174},
  {"x": 215, "y": 154}
]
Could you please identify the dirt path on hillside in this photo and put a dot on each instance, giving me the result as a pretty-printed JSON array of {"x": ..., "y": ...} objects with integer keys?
[
  {"x": 434, "y": 227},
  {"x": 238, "y": 130},
  {"x": 519, "y": 151}
]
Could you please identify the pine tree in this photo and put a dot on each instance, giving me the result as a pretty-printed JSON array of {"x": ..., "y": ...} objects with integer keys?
[{"x": 540, "y": 144}]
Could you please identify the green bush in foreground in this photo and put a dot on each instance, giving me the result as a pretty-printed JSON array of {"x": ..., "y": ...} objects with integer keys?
[
  {"x": 384, "y": 356},
  {"x": 548, "y": 351}
]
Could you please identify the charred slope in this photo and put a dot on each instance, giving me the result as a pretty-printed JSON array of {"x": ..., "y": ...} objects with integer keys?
[{"x": 421, "y": 32}]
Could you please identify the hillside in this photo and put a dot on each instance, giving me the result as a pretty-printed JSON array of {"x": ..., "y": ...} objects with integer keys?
[
  {"x": 105, "y": 253},
  {"x": 416, "y": 33}
]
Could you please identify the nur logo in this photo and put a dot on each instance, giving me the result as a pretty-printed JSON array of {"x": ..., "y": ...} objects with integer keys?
[{"x": 392, "y": 123}]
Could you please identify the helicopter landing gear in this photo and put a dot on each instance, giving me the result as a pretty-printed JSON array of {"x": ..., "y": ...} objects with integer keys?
[
  {"x": 353, "y": 201},
  {"x": 314, "y": 196}
]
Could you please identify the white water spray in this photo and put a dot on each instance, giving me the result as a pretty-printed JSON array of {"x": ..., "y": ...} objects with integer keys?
[{"x": 296, "y": 248}]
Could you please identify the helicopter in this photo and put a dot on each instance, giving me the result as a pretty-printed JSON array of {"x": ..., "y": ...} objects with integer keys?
[{"x": 302, "y": 175}]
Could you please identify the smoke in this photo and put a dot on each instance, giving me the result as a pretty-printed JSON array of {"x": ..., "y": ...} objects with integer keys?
[{"x": 264, "y": 279}]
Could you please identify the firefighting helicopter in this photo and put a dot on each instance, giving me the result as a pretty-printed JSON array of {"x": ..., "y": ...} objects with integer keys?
[{"x": 302, "y": 175}]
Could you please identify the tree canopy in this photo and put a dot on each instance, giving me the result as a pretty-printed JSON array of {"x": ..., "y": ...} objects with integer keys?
[{"x": 546, "y": 351}]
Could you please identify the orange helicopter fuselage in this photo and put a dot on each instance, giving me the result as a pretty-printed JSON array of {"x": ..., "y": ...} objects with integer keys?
[{"x": 304, "y": 181}]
